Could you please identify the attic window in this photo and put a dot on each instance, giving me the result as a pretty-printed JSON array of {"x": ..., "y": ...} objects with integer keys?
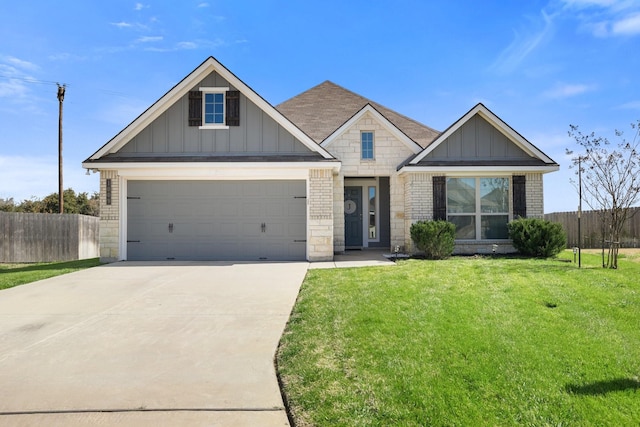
[{"x": 214, "y": 108}]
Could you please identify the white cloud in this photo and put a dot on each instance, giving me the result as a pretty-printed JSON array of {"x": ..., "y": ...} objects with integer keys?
[
  {"x": 187, "y": 45},
  {"x": 565, "y": 90},
  {"x": 140, "y": 6},
  {"x": 627, "y": 26},
  {"x": 122, "y": 24},
  {"x": 605, "y": 18},
  {"x": 631, "y": 105},
  {"x": 203, "y": 4},
  {"x": 19, "y": 63},
  {"x": 149, "y": 39},
  {"x": 523, "y": 44}
]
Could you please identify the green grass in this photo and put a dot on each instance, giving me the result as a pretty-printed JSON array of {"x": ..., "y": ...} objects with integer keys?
[
  {"x": 466, "y": 342},
  {"x": 18, "y": 274}
]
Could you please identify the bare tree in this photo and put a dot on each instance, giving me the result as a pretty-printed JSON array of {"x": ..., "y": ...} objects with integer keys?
[{"x": 610, "y": 181}]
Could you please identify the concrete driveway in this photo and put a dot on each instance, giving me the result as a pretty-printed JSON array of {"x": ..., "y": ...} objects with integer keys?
[{"x": 147, "y": 344}]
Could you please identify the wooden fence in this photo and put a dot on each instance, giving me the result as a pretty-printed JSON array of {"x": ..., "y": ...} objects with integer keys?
[
  {"x": 591, "y": 228},
  {"x": 39, "y": 237}
]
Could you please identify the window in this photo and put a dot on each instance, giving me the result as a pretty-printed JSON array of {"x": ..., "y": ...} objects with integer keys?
[
  {"x": 479, "y": 207},
  {"x": 373, "y": 235},
  {"x": 213, "y": 108},
  {"x": 366, "y": 142}
]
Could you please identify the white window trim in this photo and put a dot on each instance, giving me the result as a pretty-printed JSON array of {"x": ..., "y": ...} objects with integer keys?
[
  {"x": 222, "y": 90},
  {"x": 478, "y": 213}
]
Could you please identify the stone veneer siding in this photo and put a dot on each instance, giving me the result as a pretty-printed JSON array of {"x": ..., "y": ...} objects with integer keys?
[
  {"x": 320, "y": 215},
  {"x": 389, "y": 152},
  {"x": 109, "y": 217}
]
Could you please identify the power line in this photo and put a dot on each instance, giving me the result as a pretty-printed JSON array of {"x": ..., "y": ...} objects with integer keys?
[{"x": 29, "y": 80}]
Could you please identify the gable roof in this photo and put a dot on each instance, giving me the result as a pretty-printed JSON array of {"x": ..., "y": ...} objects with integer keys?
[
  {"x": 321, "y": 110},
  {"x": 538, "y": 157},
  {"x": 390, "y": 127},
  {"x": 179, "y": 90}
]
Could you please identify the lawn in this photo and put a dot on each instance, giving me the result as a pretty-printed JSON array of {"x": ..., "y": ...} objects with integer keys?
[
  {"x": 466, "y": 342},
  {"x": 18, "y": 274}
]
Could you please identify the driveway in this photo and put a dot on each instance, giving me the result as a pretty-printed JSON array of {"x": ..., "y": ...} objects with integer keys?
[{"x": 147, "y": 344}]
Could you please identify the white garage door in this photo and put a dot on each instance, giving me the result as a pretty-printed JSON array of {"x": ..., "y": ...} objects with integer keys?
[{"x": 216, "y": 220}]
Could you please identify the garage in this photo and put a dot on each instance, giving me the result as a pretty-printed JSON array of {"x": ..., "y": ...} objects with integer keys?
[{"x": 216, "y": 220}]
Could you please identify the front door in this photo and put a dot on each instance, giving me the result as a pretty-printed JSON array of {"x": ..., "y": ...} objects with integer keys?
[{"x": 353, "y": 216}]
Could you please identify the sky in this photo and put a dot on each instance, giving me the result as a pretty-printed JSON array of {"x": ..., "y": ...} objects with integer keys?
[{"x": 541, "y": 66}]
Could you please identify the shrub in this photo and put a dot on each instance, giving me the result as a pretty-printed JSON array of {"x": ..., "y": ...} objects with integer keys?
[
  {"x": 435, "y": 238},
  {"x": 537, "y": 237}
]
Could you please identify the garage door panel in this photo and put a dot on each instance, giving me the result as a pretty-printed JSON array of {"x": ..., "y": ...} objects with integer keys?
[{"x": 217, "y": 220}]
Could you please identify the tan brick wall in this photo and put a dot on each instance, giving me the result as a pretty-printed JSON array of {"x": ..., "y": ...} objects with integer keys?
[
  {"x": 109, "y": 218},
  {"x": 418, "y": 188},
  {"x": 389, "y": 152},
  {"x": 535, "y": 195},
  {"x": 320, "y": 215}
]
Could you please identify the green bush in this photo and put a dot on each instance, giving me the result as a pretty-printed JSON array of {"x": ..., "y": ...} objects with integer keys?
[
  {"x": 537, "y": 237},
  {"x": 435, "y": 238}
]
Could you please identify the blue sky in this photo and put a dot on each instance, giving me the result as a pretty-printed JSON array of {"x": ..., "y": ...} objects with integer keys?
[{"x": 539, "y": 65}]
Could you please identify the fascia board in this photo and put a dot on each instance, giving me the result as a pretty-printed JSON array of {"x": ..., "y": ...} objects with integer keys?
[
  {"x": 390, "y": 127},
  {"x": 238, "y": 171},
  {"x": 478, "y": 170}
]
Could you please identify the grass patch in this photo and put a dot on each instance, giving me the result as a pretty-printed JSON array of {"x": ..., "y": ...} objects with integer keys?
[
  {"x": 465, "y": 341},
  {"x": 18, "y": 274}
]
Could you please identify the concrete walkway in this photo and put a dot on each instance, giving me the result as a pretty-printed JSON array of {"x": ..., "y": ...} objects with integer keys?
[
  {"x": 357, "y": 258},
  {"x": 147, "y": 344}
]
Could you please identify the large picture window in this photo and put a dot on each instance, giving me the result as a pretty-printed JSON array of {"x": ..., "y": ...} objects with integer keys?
[{"x": 479, "y": 207}]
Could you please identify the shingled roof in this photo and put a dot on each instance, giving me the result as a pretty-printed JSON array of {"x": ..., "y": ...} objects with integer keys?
[{"x": 322, "y": 109}]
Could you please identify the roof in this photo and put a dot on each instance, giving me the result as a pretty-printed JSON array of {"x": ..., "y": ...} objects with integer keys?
[
  {"x": 322, "y": 109},
  {"x": 180, "y": 89}
]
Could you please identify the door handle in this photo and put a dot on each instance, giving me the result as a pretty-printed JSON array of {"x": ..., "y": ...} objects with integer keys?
[{"x": 170, "y": 227}]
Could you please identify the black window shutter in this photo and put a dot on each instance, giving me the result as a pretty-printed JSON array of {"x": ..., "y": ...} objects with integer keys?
[
  {"x": 195, "y": 108},
  {"x": 440, "y": 198},
  {"x": 233, "y": 108},
  {"x": 519, "y": 196}
]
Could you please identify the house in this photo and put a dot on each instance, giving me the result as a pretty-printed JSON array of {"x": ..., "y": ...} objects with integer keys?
[{"x": 213, "y": 171}]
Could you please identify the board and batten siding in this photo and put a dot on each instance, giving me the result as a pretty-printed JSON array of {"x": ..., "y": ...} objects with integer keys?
[
  {"x": 170, "y": 133},
  {"x": 477, "y": 139}
]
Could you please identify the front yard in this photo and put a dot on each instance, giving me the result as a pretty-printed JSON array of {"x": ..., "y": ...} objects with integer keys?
[{"x": 466, "y": 341}]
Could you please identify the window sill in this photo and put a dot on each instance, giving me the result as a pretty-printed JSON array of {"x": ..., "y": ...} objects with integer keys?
[{"x": 213, "y": 127}]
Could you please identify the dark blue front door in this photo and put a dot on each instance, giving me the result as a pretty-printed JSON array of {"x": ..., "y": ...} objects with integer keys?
[{"x": 353, "y": 216}]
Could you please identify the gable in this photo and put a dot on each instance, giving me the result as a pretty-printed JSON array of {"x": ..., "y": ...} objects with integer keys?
[
  {"x": 369, "y": 117},
  {"x": 172, "y": 133},
  {"x": 159, "y": 130},
  {"x": 477, "y": 139},
  {"x": 481, "y": 139}
]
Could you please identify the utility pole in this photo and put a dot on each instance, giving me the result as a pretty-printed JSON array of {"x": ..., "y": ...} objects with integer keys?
[{"x": 61, "y": 90}]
